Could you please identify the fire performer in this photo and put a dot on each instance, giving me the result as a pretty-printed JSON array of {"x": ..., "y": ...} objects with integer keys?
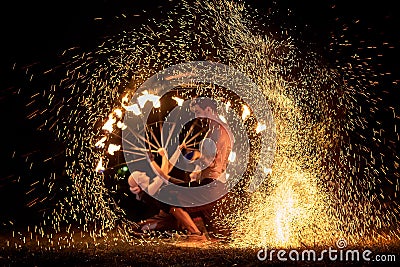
[
  {"x": 215, "y": 149},
  {"x": 139, "y": 181}
]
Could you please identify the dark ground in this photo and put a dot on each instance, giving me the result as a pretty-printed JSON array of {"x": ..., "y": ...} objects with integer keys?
[{"x": 60, "y": 250}]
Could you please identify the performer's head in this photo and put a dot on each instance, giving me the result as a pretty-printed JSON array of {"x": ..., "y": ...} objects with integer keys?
[
  {"x": 137, "y": 180},
  {"x": 203, "y": 107}
]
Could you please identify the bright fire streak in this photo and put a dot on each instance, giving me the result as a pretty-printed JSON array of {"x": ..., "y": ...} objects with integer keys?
[
  {"x": 260, "y": 127},
  {"x": 222, "y": 118},
  {"x": 118, "y": 112},
  {"x": 142, "y": 100},
  {"x": 100, "y": 167},
  {"x": 124, "y": 100},
  {"x": 178, "y": 100},
  {"x": 112, "y": 148},
  {"x": 134, "y": 108},
  {"x": 156, "y": 102},
  {"x": 121, "y": 125},
  {"x": 232, "y": 156},
  {"x": 100, "y": 143},
  {"x": 108, "y": 126},
  {"x": 246, "y": 112},
  {"x": 155, "y": 99}
]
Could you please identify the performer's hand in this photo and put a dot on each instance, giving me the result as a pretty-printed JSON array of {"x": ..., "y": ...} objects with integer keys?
[
  {"x": 182, "y": 146},
  {"x": 136, "y": 190},
  {"x": 196, "y": 155},
  {"x": 195, "y": 175},
  {"x": 161, "y": 151}
]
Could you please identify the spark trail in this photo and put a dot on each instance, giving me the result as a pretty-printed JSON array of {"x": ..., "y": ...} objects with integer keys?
[{"x": 329, "y": 170}]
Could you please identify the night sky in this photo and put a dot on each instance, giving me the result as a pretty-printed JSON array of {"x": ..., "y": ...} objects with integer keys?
[{"x": 36, "y": 32}]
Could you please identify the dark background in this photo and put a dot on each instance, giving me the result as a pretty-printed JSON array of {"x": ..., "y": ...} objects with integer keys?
[{"x": 36, "y": 32}]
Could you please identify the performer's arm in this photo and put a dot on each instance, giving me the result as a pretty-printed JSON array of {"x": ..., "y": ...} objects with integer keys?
[
  {"x": 159, "y": 171},
  {"x": 161, "y": 178},
  {"x": 154, "y": 186},
  {"x": 164, "y": 162},
  {"x": 175, "y": 156},
  {"x": 158, "y": 180}
]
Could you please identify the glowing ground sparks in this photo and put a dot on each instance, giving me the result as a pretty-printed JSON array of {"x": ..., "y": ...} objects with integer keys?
[{"x": 332, "y": 160}]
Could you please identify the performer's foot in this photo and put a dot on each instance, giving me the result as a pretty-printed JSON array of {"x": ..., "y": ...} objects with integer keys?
[{"x": 196, "y": 237}]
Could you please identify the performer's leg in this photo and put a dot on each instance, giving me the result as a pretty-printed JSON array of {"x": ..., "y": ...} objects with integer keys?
[{"x": 184, "y": 218}]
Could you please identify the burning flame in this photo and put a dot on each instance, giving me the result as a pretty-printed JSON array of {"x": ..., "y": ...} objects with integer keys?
[
  {"x": 134, "y": 108},
  {"x": 125, "y": 100},
  {"x": 155, "y": 99},
  {"x": 121, "y": 125},
  {"x": 112, "y": 148},
  {"x": 100, "y": 143},
  {"x": 108, "y": 126},
  {"x": 178, "y": 100},
  {"x": 118, "y": 112},
  {"x": 100, "y": 167}
]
